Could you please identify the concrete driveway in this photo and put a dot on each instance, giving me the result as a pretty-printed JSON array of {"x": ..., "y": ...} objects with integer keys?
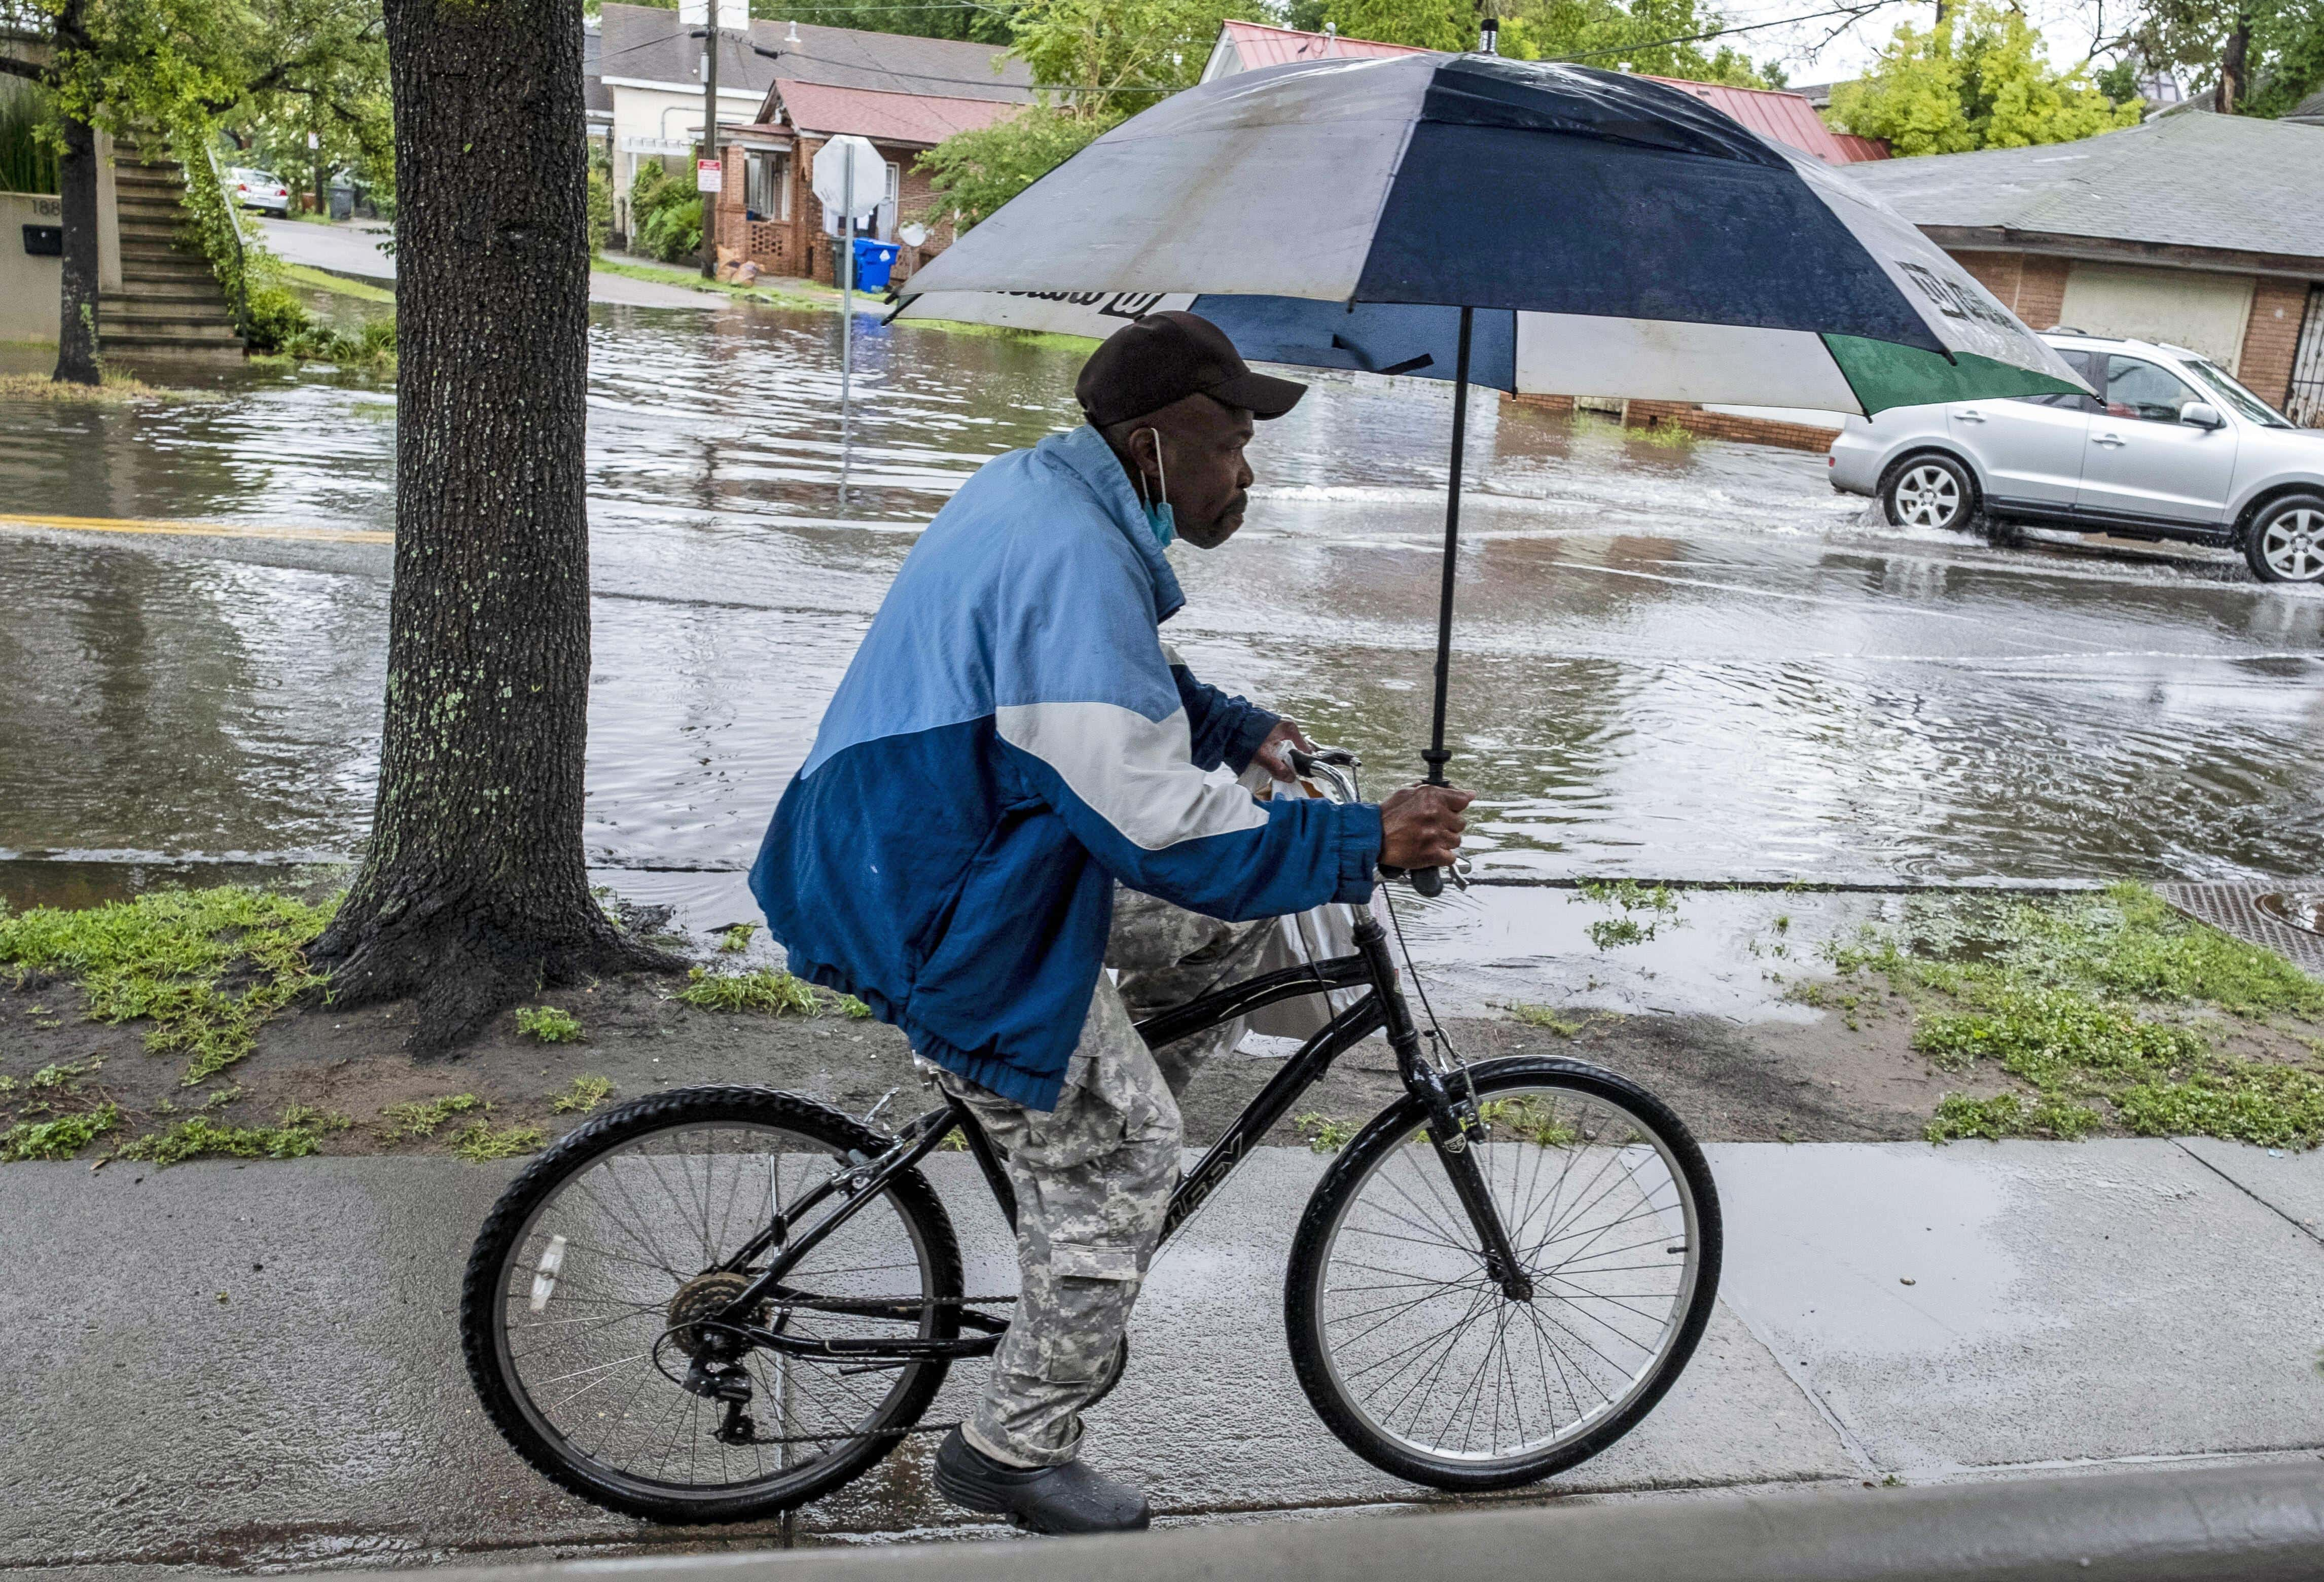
[{"x": 257, "y": 1367}]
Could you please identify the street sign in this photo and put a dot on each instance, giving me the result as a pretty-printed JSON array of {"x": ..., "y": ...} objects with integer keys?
[
  {"x": 836, "y": 160},
  {"x": 705, "y": 176}
]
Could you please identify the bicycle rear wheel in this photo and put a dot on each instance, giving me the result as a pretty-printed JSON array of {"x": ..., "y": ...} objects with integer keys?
[
  {"x": 1420, "y": 1362},
  {"x": 580, "y": 1310}
]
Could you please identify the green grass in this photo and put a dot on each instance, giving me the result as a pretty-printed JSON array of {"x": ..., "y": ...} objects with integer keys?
[
  {"x": 1658, "y": 902},
  {"x": 2006, "y": 1115},
  {"x": 478, "y": 1144},
  {"x": 1325, "y": 1134},
  {"x": 584, "y": 1095},
  {"x": 735, "y": 937},
  {"x": 767, "y": 991},
  {"x": 1546, "y": 1018},
  {"x": 2110, "y": 1007},
  {"x": 1532, "y": 1120},
  {"x": 323, "y": 280},
  {"x": 548, "y": 1025},
  {"x": 200, "y": 1138},
  {"x": 802, "y": 294},
  {"x": 421, "y": 1117},
  {"x": 60, "y": 1138},
  {"x": 116, "y": 389},
  {"x": 206, "y": 968}
]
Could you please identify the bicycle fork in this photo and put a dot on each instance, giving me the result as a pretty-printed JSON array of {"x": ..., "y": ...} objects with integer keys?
[{"x": 1453, "y": 1123}]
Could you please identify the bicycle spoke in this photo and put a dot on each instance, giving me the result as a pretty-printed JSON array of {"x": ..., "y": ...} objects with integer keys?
[{"x": 1435, "y": 1356}]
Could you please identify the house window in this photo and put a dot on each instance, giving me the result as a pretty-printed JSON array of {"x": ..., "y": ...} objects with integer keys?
[{"x": 768, "y": 192}]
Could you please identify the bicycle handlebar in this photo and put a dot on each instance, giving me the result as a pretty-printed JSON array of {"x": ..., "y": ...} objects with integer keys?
[{"x": 1424, "y": 882}]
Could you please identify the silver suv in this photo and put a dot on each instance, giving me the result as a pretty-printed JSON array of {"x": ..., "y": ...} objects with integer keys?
[{"x": 2170, "y": 448}]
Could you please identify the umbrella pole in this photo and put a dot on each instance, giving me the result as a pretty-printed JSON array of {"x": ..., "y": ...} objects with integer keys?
[{"x": 1430, "y": 881}]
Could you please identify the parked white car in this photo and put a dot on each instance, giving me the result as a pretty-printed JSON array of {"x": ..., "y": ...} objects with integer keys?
[
  {"x": 2171, "y": 448},
  {"x": 259, "y": 190}
]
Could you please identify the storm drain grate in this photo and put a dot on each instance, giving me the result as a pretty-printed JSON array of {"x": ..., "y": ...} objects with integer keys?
[{"x": 2270, "y": 915}]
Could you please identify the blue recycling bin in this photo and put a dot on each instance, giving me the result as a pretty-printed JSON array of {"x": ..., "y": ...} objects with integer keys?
[{"x": 873, "y": 260}]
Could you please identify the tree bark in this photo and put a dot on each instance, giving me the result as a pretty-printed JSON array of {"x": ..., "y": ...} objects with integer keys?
[
  {"x": 77, "y": 349},
  {"x": 472, "y": 891},
  {"x": 2234, "y": 65}
]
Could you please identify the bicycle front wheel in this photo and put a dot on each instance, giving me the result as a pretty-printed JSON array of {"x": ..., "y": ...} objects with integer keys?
[
  {"x": 1418, "y": 1360},
  {"x": 588, "y": 1294}
]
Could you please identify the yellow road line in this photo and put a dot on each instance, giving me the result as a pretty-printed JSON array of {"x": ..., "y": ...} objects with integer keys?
[{"x": 105, "y": 524}]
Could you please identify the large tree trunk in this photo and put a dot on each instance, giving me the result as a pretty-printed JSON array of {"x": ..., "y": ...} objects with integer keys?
[
  {"x": 2235, "y": 66},
  {"x": 77, "y": 361},
  {"x": 473, "y": 892}
]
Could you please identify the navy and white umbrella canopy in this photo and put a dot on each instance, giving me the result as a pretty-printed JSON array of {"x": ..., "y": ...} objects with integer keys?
[
  {"x": 1531, "y": 226},
  {"x": 1614, "y": 235}
]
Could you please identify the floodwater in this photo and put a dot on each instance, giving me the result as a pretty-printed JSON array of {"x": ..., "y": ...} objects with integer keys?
[{"x": 1690, "y": 661}]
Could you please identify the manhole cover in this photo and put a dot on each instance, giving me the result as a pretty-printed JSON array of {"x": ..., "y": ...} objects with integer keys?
[{"x": 2302, "y": 909}]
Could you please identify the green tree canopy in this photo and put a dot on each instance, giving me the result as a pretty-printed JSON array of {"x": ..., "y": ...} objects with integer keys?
[
  {"x": 1660, "y": 38},
  {"x": 1978, "y": 80},
  {"x": 975, "y": 172},
  {"x": 2259, "y": 57}
]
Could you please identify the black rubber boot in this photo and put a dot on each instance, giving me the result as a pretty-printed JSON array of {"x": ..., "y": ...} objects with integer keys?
[{"x": 1070, "y": 1498}]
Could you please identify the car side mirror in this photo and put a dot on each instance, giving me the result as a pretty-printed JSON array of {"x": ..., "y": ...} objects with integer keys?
[{"x": 2203, "y": 415}]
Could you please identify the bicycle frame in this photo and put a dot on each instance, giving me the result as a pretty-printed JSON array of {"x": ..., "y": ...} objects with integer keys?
[{"x": 1452, "y": 1121}]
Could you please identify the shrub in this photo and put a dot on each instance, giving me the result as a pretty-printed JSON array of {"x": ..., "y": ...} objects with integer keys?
[{"x": 665, "y": 216}]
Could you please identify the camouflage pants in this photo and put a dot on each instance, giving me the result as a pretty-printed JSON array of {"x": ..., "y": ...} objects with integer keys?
[{"x": 1093, "y": 1178}]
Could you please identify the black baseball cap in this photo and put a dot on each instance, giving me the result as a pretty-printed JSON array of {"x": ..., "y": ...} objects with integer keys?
[{"x": 1165, "y": 357}]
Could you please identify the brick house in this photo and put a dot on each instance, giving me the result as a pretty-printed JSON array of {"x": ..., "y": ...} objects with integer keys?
[
  {"x": 776, "y": 218},
  {"x": 2203, "y": 230}
]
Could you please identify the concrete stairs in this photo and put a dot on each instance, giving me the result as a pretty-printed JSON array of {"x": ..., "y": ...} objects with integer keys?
[{"x": 170, "y": 307}]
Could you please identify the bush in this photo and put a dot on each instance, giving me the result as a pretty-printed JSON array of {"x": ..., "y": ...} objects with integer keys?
[
  {"x": 665, "y": 216},
  {"x": 601, "y": 204}
]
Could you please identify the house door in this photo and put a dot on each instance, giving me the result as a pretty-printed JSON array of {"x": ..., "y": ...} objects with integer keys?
[{"x": 2305, "y": 404}]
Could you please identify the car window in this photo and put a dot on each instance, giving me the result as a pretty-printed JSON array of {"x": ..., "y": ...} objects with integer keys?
[
  {"x": 2145, "y": 390},
  {"x": 2083, "y": 364},
  {"x": 2224, "y": 383}
]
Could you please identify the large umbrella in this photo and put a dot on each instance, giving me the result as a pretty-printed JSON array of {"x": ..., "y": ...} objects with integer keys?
[{"x": 1522, "y": 224}]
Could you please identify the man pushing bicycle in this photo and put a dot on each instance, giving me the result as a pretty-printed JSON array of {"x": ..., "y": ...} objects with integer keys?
[{"x": 1011, "y": 740}]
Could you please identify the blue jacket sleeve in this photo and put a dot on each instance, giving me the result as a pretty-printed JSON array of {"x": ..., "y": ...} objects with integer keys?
[
  {"x": 1090, "y": 721},
  {"x": 1223, "y": 728}
]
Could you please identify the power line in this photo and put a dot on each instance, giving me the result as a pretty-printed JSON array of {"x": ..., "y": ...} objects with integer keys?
[{"x": 1618, "y": 50}]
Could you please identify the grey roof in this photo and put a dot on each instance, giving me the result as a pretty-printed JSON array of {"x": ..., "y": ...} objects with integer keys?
[
  {"x": 648, "y": 43},
  {"x": 2185, "y": 180},
  {"x": 2308, "y": 111},
  {"x": 596, "y": 98}
]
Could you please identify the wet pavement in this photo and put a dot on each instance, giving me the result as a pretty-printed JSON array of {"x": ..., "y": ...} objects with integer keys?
[
  {"x": 275, "y": 1379},
  {"x": 1691, "y": 660}
]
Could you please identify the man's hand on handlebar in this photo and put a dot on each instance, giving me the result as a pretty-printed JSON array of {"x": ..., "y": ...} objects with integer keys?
[
  {"x": 1274, "y": 754},
  {"x": 1421, "y": 825}
]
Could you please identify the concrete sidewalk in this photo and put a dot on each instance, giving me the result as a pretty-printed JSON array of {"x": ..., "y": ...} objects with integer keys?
[
  {"x": 257, "y": 1366},
  {"x": 355, "y": 249}
]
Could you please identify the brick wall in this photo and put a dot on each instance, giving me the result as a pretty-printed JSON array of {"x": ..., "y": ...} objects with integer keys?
[
  {"x": 1727, "y": 425},
  {"x": 2029, "y": 284},
  {"x": 2272, "y": 336}
]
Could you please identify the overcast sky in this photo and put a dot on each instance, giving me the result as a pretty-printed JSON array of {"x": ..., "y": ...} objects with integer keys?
[{"x": 2066, "y": 25}]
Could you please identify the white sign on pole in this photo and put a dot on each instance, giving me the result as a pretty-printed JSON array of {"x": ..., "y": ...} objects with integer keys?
[
  {"x": 705, "y": 176},
  {"x": 838, "y": 161}
]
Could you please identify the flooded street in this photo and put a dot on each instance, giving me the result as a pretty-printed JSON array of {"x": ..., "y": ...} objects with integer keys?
[{"x": 1676, "y": 660}]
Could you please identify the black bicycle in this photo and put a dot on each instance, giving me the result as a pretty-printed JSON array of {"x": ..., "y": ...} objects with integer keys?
[{"x": 718, "y": 1303}]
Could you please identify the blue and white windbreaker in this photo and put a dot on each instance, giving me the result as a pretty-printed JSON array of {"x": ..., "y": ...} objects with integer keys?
[{"x": 1011, "y": 738}]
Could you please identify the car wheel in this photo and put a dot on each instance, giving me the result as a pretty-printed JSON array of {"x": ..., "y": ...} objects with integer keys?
[
  {"x": 2285, "y": 543},
  {"x": 1928, "y": 491}
]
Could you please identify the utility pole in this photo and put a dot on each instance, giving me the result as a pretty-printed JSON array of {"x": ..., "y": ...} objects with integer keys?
[{"x": 710, "y": 149}]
